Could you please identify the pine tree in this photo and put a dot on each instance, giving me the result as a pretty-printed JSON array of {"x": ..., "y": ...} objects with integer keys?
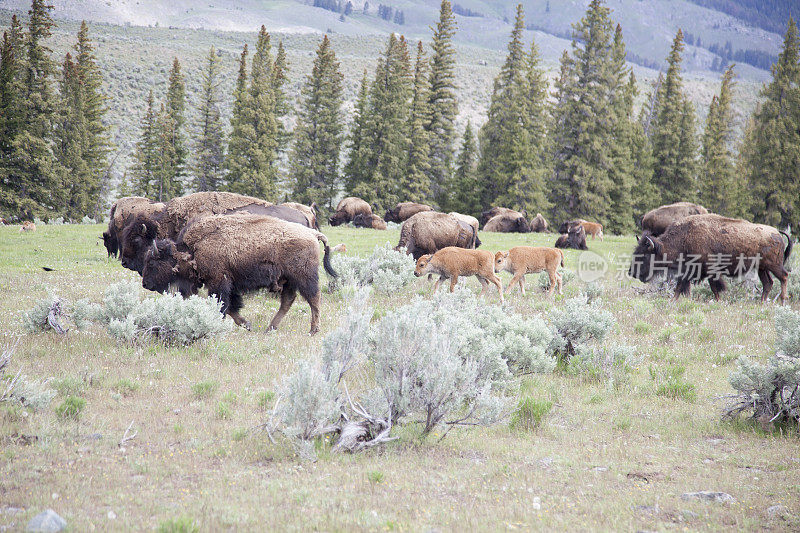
[
  {"x": 674, "y": 142},
  {"x": 773, "y": 146},
  {"x": 356, "y": 171},
  {"x": 442, "y": 102},
  {"x": 209, "y": 150},
  {"x": 176, "y": 109},
  {"x": 166, "y": 175},
  {"x": 143, "y": 173},
  {"x": 282, "y": 108},
  {"x": 254, "y": 141},
  {"x": 319, "y": 132},
  {"x": 12, "y": 61},
  {"x": 415, "y": 183},
  {"x": 465, "y": 182},
  {"x": 720, "y": 185}
]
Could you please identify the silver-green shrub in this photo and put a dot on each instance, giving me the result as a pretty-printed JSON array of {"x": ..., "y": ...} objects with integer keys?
[
  {"x": 88, "y": 220},
  {"x": 580, "y": 322},
  {"x": 385, "y": 269},
  {"x": 119, "y": 300},
  {"x": 345, "y": 347},
  {"x": 310, "y": 402},
  {"x": 603, "y": 364},
  {"x": 35, "y": 320}
]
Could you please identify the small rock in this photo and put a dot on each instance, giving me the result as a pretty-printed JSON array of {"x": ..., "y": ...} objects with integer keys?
[
  {"x": 708, "y": 496},
  {"x": 537, "y": 503},
  {"x": 54, "y": 496},
  {"x": 546, "y": 462},
  {"x": 112, "y": 515},
  {"x": 600, "y": 468},
  {"x": 777, "y": 511},
  {"x": 46, "y": 521}
]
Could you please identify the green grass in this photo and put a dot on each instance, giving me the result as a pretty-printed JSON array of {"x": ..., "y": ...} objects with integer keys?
[{"x": 189, "y": 468}]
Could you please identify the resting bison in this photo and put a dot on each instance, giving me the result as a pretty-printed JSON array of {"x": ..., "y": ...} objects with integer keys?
[
  {"x": 452, "y": 262},
  {"x": 309, "y": 211},
  {"x": 430, "y": 231},
  {"x": 405, "y": 210},
  {"x": 347, "y": 209},
  {"x": 468, "y": 219},
  {"x": 657, "y": 221},
  {"x": 703, "y": 247},
  {"x": 508, "y": 223},
  {"x": 235, "y": 254},
  {"x": 369, "y": 221},
  {"x": 539, "y": 224},
  {"x": 575, "y": 237},
  {"x": 125, "y": 209},
  {"x": 173, "y": 217},
  {"x": 494, "y": 211}
]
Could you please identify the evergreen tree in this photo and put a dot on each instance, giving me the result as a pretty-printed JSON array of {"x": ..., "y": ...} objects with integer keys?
[
  {"x": 720, "y": 186},
  {"x": 282, "y": 108},
  {"x": 356, "y": 171},
  {"x": 773, "y": 145},
  {"x": 674, "y": 142},
  {"x": 465, "y": 182},
  {"x": 209, "y": 148},
  {"x": 176, "y": 109},
  {"x": 143, "y": 173},
  {"x": 319, "y": 131},
  {"x": 166, "y": 175},
  {"x": 12, "y": 61},
  {"x": 254, "y": 141},
  {"x": 442, "y": 102},
  {"x": 415, "y": 183}
]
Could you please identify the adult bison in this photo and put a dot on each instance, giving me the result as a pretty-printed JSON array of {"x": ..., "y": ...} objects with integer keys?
[
  {"x": 539, "y": 224},
  {"x": 309, "y": 211},
  {"x": 430, "y": 231},
  {"x": 347, "y": 209},
  {"x": 140, "y": 230},
  {"x": 234, "y": 254},
  {"x": 494, "y": 211},
  {"x": 508, "y": 223},
  {"x": 369, "y": 221},
  {"x": 123, "y": 210},
  {"x": 701, "y": 247},
  {"x": 574, "y": 237},
  {"x": 405, "y": 210},
  {"x": 469, "y": 220},
  {"x": 657, "y": 221}
]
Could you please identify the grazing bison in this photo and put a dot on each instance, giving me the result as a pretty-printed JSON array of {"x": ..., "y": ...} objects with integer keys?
[
  {"x": 309, "y": 211},
  {"x": 508, "y": 223},
  {"x": 703, "y": 247},
  {"x": 405, "y": 210},
  {"x": 369, "y": 221},
  {"x": 522, "y": 260},
  {"x": 494, "y": 211},
  {"x": 235, "y": 254},
  {"x": 452, "y": 262},
  {"x": 539, "y": 224},
  {"x": 470, "y": 221},
  {"x": 575, "y": 237},
  {"x": 657, "y": 221},
  {"x": 176, "y": 214},
  {"x": 347, "y": 209},
  {"x": 124, "y": 210},
  {"x": 430, "y": 231}
]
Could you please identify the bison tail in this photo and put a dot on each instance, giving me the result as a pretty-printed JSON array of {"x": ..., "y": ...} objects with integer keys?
[
  {"x": 326, "y": 259},
  {"x": 789, "y": 245}
]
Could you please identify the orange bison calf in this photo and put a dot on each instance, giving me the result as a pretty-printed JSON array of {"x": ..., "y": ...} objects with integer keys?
[
  {"x": 452, "y": 262},
  {"x": 522, "y": 260}
]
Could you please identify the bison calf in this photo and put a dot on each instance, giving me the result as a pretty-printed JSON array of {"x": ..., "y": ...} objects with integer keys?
[
  {"x": 522, "y": 260},
  {"x": 452, "y": 262},
  {"x": 369, "y": 221}
]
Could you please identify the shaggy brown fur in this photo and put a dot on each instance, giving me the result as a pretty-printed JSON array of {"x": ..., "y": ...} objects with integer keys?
[
  {"x": 27, "y": 226},
  {"x": 235, "y": 254},
  {"x": 593, "y": 228},
  {"x": 452, "y": 262},
  {"x": 539, "y": 224},
  {"x": 508, "y": 223},
  {"x": 405, "y": 210},
  {"x": 339, "y": 248},
  {"x": 522, "y": 260},
  {"x": 430, "y": 231},
  {"x": 124, "y": 210},
  {"x": 347, "y": 209},
  {"x": 494, "y": 211},
  {"x": 574, "y": 238},
  {"x": 705, "y": 236},
  {"x": 309, "y": 211},
  {"x": 369, "y": 221},
  {"x": 659, "y": 219},
  {"x": 470, "y": 221}
]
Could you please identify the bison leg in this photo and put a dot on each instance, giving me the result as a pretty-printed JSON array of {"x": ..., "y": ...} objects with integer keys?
[
  {"x": 516, "y": 280},
  {"x": 310, "y": 293},
  {"x": 438, "y": 281},
  {"x": 717, "y": 287},
  {"x": 287, "y": 299},
  {"x": 766, "y": 284},
  {"x": 484, "y": 284},
  {"x": 496, "y": 280},
  {"x": 554, "y": 280},
  {"x": 453, "y": 282},
  {"x": 783, "y": 276},
  {"x": 560, "y": 280},
  {"x": 522, "y": 284},
  {"x": 683, "y": 288}
]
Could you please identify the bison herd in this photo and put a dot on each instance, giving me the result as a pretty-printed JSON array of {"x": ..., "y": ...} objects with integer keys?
[{"x": 233, "y": 244}]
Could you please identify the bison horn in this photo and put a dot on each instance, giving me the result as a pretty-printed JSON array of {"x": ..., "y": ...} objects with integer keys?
[
  {"x": 650, "y": 244},
  {"x": 155, "y": 249},
  {"x": 144, "y": 229}
]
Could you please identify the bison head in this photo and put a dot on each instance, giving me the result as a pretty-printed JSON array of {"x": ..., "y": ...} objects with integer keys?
[
  {"x": 111, "y": 243},
  {"x": 362, "y": 221},
  {"x": 136, "y": 237},
  {"x": 339, "y": 217},
  {"x": 393, "y": 215},
  {"x": 422, "y": 265},
  {"x": 500, "y": 259},
  {"x": 646, "y": 252},
  {"x": 160, "y": 266},
  {"x": 521, "y": 225}
]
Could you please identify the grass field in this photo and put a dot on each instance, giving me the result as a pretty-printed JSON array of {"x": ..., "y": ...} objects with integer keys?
[{"x": 602, "y": 459}]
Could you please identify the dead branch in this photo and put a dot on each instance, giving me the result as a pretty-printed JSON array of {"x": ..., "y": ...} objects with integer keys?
[
  {"x": 126, "y": 437},
  {"x": 52, "y": 317}
]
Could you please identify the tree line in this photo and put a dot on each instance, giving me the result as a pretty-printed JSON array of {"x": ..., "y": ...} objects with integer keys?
[{"x": 577, "y": 148}]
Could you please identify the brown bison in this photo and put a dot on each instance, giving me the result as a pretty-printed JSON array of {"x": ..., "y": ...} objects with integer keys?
[
  {"x": 508, "y": 223},
  {"x": 234, "y": 254},
  {"x": 309, "y": 211},
  {"x": 471, "y": 221},
  {"x": 703, "y": 247},
  {"x": 347, "y": 209},
  {"x": 452, "y": 262},
  {"x": 27, "y": 226},
  {"x": 430, "y": 231},
  {"x": 657, "y": 221},
  {"x": 405, "y": 210},
  {"x": 574, "y": 237},
  {"x": 494, "y": 211},
  {"x": 522, "y": 260},
  {"x": 124, "y": 210},
  {"x": 538, "y": 224},
  {"x": 593, "y": 228},
  {"x": 369, "y": 221}
]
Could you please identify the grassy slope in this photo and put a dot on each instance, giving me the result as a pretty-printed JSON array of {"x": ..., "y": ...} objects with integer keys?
[{"x": 585, "y": 464}]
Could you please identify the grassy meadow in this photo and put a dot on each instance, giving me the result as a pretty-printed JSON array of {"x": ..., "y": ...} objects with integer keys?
[{"x": 601, "y": 459}]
